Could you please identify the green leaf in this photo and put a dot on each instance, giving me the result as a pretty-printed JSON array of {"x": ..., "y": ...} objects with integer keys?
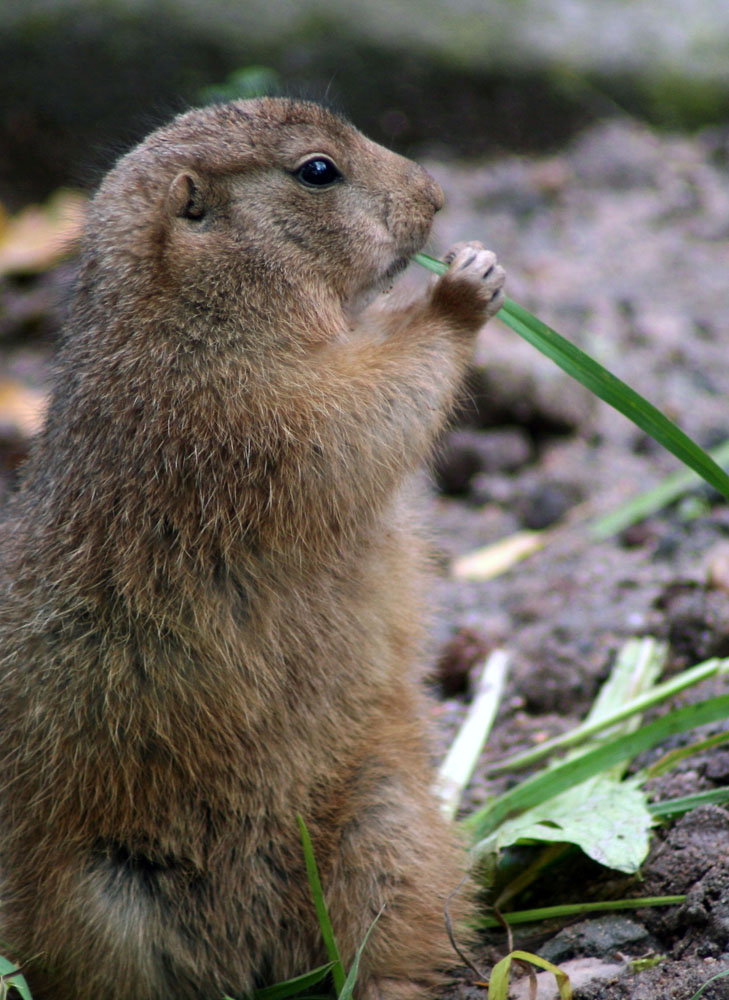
[
  {"x": 605, "y": 385},
  {"x": 565, "y": 774},
  {"x": 321, "y": 907},
  {"x": 14, "y": 979},
  {"x": 290, "y": 987},
  {"x": 605, "y": 818},
  {"x": 249, "y": 81}
]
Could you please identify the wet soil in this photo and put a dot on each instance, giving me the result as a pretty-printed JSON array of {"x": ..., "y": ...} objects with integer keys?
[{"x": 621, "y": 242}]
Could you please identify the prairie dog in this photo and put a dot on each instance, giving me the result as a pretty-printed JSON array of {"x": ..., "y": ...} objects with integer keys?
[{"x": 210, "y": 607}]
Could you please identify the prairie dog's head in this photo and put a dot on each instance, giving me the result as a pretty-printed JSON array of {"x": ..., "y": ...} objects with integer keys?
[{"x": 252, "y": 207}]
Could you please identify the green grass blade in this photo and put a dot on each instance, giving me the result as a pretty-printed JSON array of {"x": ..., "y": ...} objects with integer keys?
[
  {"x": 564, "y": 775},
  {"x": 674, "y": 807},
  {"x": 346, "y": 993},
  {"x": 291, "y": 987},
  {"x": 674, "y": 757},
  {"x": 606, "y": 818},
  {"x": 578, "y": 909},
  {"x": 658, "y": 693},
  {"x": 645, "y": 504},
  {"x": 322, "y": 914},
  {"x": 719, "y": 975},
  {"x": 605, "y": 385}
]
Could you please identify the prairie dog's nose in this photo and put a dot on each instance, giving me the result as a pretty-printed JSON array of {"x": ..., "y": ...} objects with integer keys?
[
  {"x": 431, "y": 189},
  {"x": 436, "y": 194}
]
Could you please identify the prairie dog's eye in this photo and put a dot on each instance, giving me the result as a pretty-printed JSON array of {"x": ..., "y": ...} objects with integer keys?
[{"x": 318, "y": 171}]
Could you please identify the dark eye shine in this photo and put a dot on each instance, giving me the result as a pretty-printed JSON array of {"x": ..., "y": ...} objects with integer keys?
[{"x": 319, "y": 171}]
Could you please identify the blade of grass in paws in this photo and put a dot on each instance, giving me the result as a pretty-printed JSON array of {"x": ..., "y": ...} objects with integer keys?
[{"x": 603, "y": 384}]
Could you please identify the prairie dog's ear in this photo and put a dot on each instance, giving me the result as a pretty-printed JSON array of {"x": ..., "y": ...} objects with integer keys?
[{"x": 185, "y": 196}]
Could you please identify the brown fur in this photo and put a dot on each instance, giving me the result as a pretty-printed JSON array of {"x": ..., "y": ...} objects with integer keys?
[{"x": 211, "y": 579}]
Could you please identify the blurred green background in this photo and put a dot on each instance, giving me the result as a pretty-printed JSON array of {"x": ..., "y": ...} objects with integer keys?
[{"x": 80, "y": 81}]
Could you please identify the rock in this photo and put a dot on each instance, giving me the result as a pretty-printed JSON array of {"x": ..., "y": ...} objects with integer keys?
[
  {"x": 603, "y": 937},
  {"x": 545, "y": 504}
]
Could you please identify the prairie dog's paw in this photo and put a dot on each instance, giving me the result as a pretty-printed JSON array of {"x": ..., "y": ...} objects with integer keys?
[{"x": 472, "y": 288}]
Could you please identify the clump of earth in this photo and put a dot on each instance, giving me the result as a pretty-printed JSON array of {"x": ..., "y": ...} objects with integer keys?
[{"x": 621, "y": 243}]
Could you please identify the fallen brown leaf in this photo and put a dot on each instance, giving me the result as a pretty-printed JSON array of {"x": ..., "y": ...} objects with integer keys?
[
  {"x": 40, "y": 235},
  {"x": 22, "y": 409}
]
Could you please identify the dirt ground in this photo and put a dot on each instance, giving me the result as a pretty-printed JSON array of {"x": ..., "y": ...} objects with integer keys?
[{"x": 621, "y": 243}]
